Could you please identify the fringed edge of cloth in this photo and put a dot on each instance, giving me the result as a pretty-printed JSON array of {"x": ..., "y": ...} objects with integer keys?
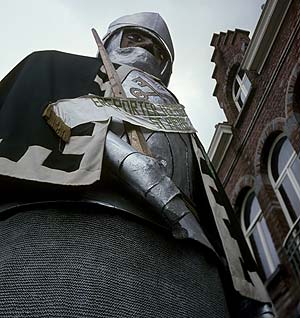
[{"x": 57, "y": 124}]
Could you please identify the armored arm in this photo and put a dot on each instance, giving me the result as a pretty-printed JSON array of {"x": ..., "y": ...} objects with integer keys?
[{"x": 146, "y": 177}]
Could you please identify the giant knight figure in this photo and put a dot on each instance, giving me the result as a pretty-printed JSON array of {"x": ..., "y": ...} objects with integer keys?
[{"x": 91, "y": 226}]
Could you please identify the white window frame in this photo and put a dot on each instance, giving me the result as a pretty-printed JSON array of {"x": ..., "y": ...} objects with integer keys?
[
  {"x": 287, "y": 171},
  {"x": 242, "y": 89},
  {"x": 255, "y": 224}
]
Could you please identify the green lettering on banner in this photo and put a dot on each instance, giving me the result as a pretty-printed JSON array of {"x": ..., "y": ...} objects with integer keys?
[
  {"x": 105, "y": 101},
  {"x": 174, "y": 110},
  {"x": 141, "y": 105},
  {"x": 183, "y": 124},
  {"x": 97, "y": 101},
  {"x": 150, "y": 109},
  {"x": 117, "y": 102},
  {"x": 168, "y": 117},
  {"x": 126, "y": 106},
  {"x": 171, "y": 121},
  {"x": 170, "y": 111},
  {"x": 177, "y": 123},
  {"x": 108, "y": 102},
  {"x": 157, "y": 122},
  {"x": 181, "y": 111},
  {"x": 133, "y": 107},
  {"x": 161, "y": 110}
]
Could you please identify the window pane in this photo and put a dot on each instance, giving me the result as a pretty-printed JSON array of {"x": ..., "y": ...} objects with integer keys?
[
  {"x": 269, "y": 242},
  {"x": 285, "y": 154},
  {"x": 275, "y": 159},
  {"x": 240, "y": 102},
  {"x": 247, "y": 83},
  {"x": 290, "y": 198},
  {"x": 243, "y": 96},
  {"x": 260, "y": 253},
  {"x": 248, "y": 208},
  {"x": 259, "y": 235},
  {"x": 296, "y": 169},
  {"x": 255, "y": 208},
  {"x": 241, "y": 88}
]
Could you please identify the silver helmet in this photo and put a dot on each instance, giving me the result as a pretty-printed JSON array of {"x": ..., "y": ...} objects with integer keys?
[{"x": 147, "y": 22}]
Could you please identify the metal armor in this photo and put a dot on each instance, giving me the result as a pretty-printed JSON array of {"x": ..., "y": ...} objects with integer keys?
[
  {"x": 173, "y": 150},
  {"x": 159, "y": 180}
]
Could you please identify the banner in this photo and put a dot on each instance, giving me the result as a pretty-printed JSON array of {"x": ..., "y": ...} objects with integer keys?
[{"x": 69, "y": 113}]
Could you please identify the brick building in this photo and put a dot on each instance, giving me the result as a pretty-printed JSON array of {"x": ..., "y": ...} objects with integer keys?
[{"x": 256, "y": 151}]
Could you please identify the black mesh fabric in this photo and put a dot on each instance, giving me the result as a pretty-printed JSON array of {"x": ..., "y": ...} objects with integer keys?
[{"x": 98, "y": 263}]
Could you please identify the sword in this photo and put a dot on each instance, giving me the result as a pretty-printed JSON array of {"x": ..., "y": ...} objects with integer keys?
[{"x": 134, "y": 133}]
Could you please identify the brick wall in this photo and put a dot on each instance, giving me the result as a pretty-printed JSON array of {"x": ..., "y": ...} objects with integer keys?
[{"x": 276, "y": 94}]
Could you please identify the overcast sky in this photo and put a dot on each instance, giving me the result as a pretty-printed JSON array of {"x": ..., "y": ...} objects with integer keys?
[{"x": 32, "y": 25}]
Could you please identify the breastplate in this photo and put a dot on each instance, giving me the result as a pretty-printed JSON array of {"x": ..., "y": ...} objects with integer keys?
[{"x": 174, "y": 150}]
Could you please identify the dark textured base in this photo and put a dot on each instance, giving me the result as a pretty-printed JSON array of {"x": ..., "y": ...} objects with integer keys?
[{"x": 68, "y": 263}]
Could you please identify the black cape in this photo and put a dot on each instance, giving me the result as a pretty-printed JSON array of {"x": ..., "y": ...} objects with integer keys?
[{"x": 45, "y": 77}]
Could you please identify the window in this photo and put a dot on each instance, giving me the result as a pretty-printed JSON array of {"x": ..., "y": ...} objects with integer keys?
[
  {"x": 258, "y": 235},
  {"x": 284, "y": 173},
  {"x": 241, "y": 89}
]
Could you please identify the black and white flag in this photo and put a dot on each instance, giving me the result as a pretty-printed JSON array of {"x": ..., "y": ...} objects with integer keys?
[{"x": 29, "y": 148}]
